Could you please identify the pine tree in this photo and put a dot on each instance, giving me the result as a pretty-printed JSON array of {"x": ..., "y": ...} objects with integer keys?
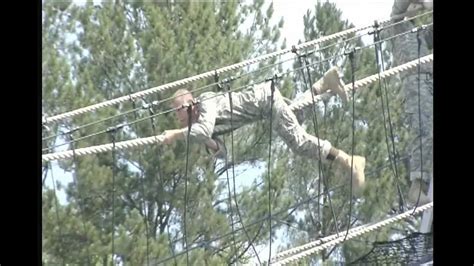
[
  {"x": 93, "y": 53},
  {"x": 372, "y": 139}
]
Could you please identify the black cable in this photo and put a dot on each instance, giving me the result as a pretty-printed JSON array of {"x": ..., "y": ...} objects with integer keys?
[
  {"x": 237, "y": 208},
  {"x": 393, "y": 154},
  {"x": 234, "y": 247},
  {"x": 45, "y": 167},
  {"x": 255, "y": 222},
  {"x": 80, "y": 199},
  {"x": 189, "y": 110},
  {"x": 419, "y": 120},
  {"x": 142, "y": 181},
  {"x": 95, "y": 122},
  {"x": 250, "y": 244},
  {"x": 57, "y": 216},
  {"x": 325, "y": 181},
  {"x": 106, "y": 131},
  {"x": 351, "y": 58},
  {"x": 308, "y": 84},
  {"x": 320, "y": 215},
  {"x": 114, "y": 172},
  {"x": 393, "y": 24},
  {"x": 272, "y": 86},
  {"x": 219, "y": 88},
  {"x": 45, "y": 174},
  {"x": 230, "y": 205},
  {"x": 160, "y": 173},
  {"x": 294, "y": 207}
]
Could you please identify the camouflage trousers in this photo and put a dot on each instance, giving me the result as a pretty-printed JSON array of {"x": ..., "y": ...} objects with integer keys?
[
  {"x": 419, "y": 111},
  {"x": 288, "y": 127}
]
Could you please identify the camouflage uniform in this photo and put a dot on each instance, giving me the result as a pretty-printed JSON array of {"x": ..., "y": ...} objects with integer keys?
[
  {"x": 405, "y": 48},
  {"x": 252, "y": 105}
]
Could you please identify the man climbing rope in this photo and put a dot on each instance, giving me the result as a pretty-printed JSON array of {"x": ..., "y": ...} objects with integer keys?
[
  {"x": 418, "y": 101},
  {"x": 211, "y": 109},
  {"x": 408, "y": 8}
]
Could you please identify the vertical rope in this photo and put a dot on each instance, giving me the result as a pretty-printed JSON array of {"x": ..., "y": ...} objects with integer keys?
[
  {"x": 189, "y": 110},
  {"x": 316, "y": 132},
  {"x": 160, "y": 173},
  {"x": 351, "y": 58},
  {"x": 57, "y": 215},
  {"x": 272, "y": 86},
  {"x": 237, "y": 208},
  {"x": 80, "y": 200},
  {"x": 145, "y": 213},
  {"x": 419, "y": 117},
  {"x": 45, "y": 168},
  {"x": 142, "y": 181},
  {"x": 308, "y": 83},
  {"x": 393, "y": 153},
  {"x": 45, "y": 174},
  {"x": 234, "y": 247},
  {"x": 114, "y": 172}
]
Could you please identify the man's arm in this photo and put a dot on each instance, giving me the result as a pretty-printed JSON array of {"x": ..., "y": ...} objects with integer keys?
[
  {"x": 203, "y": 128},
  {"x": 212, "y": 144},
  {"x": 172, "y": 135},
  {"x": 217, "y": 146}
]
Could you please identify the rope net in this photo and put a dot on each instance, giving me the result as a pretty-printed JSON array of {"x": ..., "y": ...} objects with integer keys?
[{"x": 414, "y": 249}]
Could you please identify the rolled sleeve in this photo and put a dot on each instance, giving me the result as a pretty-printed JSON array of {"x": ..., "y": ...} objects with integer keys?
[{"x": 203, "y": 128}]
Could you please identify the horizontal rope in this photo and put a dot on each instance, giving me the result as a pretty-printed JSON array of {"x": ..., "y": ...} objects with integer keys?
[
  {"x": 219, "y": 129},
  {"x": 370, "y": 79},
  {"x": 212, "y": 73},
  {"x": 229, "y": 79},
  {"x": 348, "y": 87},
  {"x": 102, "y": 148},
  {"x": 415, "y": 29},
  {"x": 208, "y": 74},
  {"x": 318, "y": 245}
]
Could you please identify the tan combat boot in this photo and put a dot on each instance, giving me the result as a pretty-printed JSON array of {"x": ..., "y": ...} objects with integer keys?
[{"x": 331, "y": 81}]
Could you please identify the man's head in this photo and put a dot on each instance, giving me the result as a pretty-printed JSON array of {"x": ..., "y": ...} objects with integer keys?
[{"x": 180, "y": 98}]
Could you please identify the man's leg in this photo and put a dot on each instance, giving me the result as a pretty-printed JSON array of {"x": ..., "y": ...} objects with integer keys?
[
  {"x": 405, "y": 49},
  {"x": 330, "y": 81},
  {"x": 304, "y": 144},
  {"x": 421, "y": 147}
]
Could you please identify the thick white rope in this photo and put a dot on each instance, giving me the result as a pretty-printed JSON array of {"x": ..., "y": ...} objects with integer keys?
[
  {"x": 142, "y": 141},
  {"x": 298, "y": 105},
  {"x": 103, "y": 148},
  {"x": 373, "y": 78},
  {"x": 281, "y": 255},
  {"x": 317, "y": 246},
  {"x": 208, "y": 74}
]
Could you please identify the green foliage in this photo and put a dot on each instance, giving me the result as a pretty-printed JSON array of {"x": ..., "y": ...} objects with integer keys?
[
  {"x": 93, "y": 53},
  {"x": 334, "y": 123}
]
